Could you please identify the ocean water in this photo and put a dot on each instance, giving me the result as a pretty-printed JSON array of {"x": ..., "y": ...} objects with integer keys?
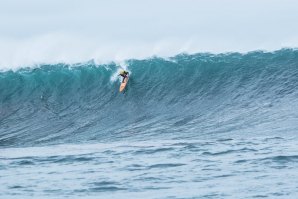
[{"x": 190, "y": 126}]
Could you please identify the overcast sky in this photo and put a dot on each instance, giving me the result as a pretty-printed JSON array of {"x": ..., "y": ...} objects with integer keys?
[{"x": 33, "y": 31}]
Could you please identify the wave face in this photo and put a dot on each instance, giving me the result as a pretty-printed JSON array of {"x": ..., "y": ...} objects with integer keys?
[{"x": 186, "y": 96}]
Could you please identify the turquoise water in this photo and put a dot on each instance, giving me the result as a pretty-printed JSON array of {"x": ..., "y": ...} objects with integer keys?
[{"x": 191, "y": 126}]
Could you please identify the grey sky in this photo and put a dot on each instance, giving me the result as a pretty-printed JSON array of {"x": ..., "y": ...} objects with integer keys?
[{"x": 156, "y": 26}]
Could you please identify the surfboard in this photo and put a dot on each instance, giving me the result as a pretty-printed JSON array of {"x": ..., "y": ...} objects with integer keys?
[{"x": 123, "y": 84}]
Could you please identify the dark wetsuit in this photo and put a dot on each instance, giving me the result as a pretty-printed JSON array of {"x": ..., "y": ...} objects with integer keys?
[{"x": 124, "y": 75}]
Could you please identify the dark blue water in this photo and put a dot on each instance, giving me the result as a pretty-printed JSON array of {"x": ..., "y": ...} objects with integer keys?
[{"x": 191, "y": 126}]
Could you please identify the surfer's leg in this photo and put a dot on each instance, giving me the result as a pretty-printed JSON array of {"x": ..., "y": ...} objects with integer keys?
[{"x": 124, "y": 78}]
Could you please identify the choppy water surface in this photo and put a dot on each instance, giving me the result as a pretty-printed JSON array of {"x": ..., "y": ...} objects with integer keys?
[{"x": 223, "y": 168}]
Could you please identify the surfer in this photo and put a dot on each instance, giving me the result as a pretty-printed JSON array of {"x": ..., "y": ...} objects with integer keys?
[{"x": 124, "y": 74}]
